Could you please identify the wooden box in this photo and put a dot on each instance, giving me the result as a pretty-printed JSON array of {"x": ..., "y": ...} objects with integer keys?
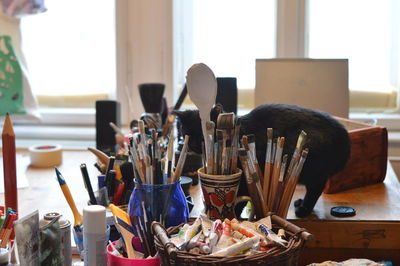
[{"x": 368, "y": 158}]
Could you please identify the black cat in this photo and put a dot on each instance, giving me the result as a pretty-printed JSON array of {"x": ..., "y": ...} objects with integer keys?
[{"x": 328, "y": 141}]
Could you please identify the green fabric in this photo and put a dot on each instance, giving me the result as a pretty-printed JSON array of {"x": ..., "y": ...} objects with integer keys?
[{"x": 11, "y": 82}]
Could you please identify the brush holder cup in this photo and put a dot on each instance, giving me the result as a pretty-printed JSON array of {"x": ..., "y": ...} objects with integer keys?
[
  {"x": 151, "y": 95},
  {"x": 163, "y": 203},
  {"x": 220, "y": 194}
]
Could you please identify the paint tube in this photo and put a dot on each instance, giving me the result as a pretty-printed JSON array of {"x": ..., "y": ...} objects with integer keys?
[
  {"x": 248, "y": 232},
  {"x": 205, "y": 224},
  {"x": 237, "y": 248},
  {"x": 215, "y": 233},
  {"x": 271, "y": 236},
  {"x": 192, "y": 231},
  {"x": 226, "y": 238},
  {"x": 178, "y": 240}
]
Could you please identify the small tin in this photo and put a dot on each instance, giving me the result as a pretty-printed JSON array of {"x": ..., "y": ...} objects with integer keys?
[{"x": 65, "y": 228}]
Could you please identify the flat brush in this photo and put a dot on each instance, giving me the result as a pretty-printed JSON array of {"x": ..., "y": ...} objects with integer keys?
[
  {"x": 225, "y": 122},
  {"x": 252, "y": 148},
  {"x": 235, "y": 144},
  {"x": 268, "y": 165},
  {"x": 290, "y": 186},
  {"x": 281, "y": 182},
  {"x": 219, "y": 150},
  {"x": 252, "y": 179},
  {"x": 276, "y": 171},
  {"x": 181, "y": 161},
  {"x": 209, "y": 144},
  {"x": 296, "y": 154}
]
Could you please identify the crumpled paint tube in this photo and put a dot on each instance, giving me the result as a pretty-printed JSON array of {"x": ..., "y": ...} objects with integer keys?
[{"x": 237, "y": 248}]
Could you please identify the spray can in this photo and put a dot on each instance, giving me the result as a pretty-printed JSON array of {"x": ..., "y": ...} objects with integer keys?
[
  {"x": 65, "y": 230},
  {"x": 94, "y": 235}
]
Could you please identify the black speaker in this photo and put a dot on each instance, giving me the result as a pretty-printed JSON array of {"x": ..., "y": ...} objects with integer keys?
[
  {"x": 106, "y": 111},
  {"x": 227, "y": 94}
]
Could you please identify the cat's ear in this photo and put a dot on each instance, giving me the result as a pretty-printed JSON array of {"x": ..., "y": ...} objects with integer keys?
[
  {"x": 184, "y": 116},
  {"x": 215, "y": 111}
]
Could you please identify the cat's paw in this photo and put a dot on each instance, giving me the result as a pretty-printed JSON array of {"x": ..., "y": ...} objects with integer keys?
[
  {"x": 298, "y": 202},
  {"x": 302, "y": 211}
]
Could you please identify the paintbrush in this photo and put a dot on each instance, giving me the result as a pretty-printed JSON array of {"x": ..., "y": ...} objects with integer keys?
[
  {"x": 181, "y": 161},
  {"x": 290, "y": 186},
  {"x": 168, "y": 125},
  {"x": 78, "y": 220},
  {"x": 170, "y": 156},
  {"x": 281, "y": 182},
  {"x": 141, "y": 236},
  {"x": 251, "y": 180},
  {"x": 127, "y": 235},
  {"x": 121, "y": 214},
  {"x": 210, "y": 127},
  {"x": 267, "y": 167},
  {"x": 296, "y": 154},
  {"x": 252, "y": 148},
  {"x": 235, "y": 144},
  {"x": 276, "y": 171},
  {"x": 151, "y": 95},
  {"x": 219, "y": 150},
  {"x": 225, "y": 122}
]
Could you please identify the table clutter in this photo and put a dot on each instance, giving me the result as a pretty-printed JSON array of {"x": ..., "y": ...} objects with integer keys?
[{"x": 140, "y": 185}]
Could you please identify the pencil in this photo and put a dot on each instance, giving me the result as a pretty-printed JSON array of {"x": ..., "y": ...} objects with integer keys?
[{"x": 9, "y": 165}]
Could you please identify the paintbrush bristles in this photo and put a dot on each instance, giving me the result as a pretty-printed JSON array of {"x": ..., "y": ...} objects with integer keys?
[{"x": 226, "y": 121}]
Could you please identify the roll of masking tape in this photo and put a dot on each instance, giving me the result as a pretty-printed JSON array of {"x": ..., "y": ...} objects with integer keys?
[{"x": 45, "y": 155}]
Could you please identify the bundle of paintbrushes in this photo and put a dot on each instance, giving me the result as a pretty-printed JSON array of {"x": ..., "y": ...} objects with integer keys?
[
  {"x": 152, "y": 158},
  {"x": 221, "y": 145},
  {"x": 272, "y": 191},
  {"x": 132, "y": 231}
]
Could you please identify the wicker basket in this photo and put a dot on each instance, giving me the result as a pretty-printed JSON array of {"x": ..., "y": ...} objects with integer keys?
[{"x": 170, "y": 255}]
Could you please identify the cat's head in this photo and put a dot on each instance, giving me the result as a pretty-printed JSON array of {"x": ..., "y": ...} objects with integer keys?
[{"x": 190, "y": 124}]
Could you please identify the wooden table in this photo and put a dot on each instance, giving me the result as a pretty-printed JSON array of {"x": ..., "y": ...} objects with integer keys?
[{"x": 373, "y": 233}]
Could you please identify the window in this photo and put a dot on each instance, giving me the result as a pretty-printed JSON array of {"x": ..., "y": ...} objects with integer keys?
[
  {"x": 367, "y": 33},
  {"x": 70, "y": 52}
]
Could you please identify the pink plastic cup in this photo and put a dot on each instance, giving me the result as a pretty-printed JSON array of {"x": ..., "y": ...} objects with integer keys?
[{"x": 113, "y": 260}]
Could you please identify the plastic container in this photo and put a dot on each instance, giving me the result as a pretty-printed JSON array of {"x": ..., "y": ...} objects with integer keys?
[{"x": 113, "y": 260}]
